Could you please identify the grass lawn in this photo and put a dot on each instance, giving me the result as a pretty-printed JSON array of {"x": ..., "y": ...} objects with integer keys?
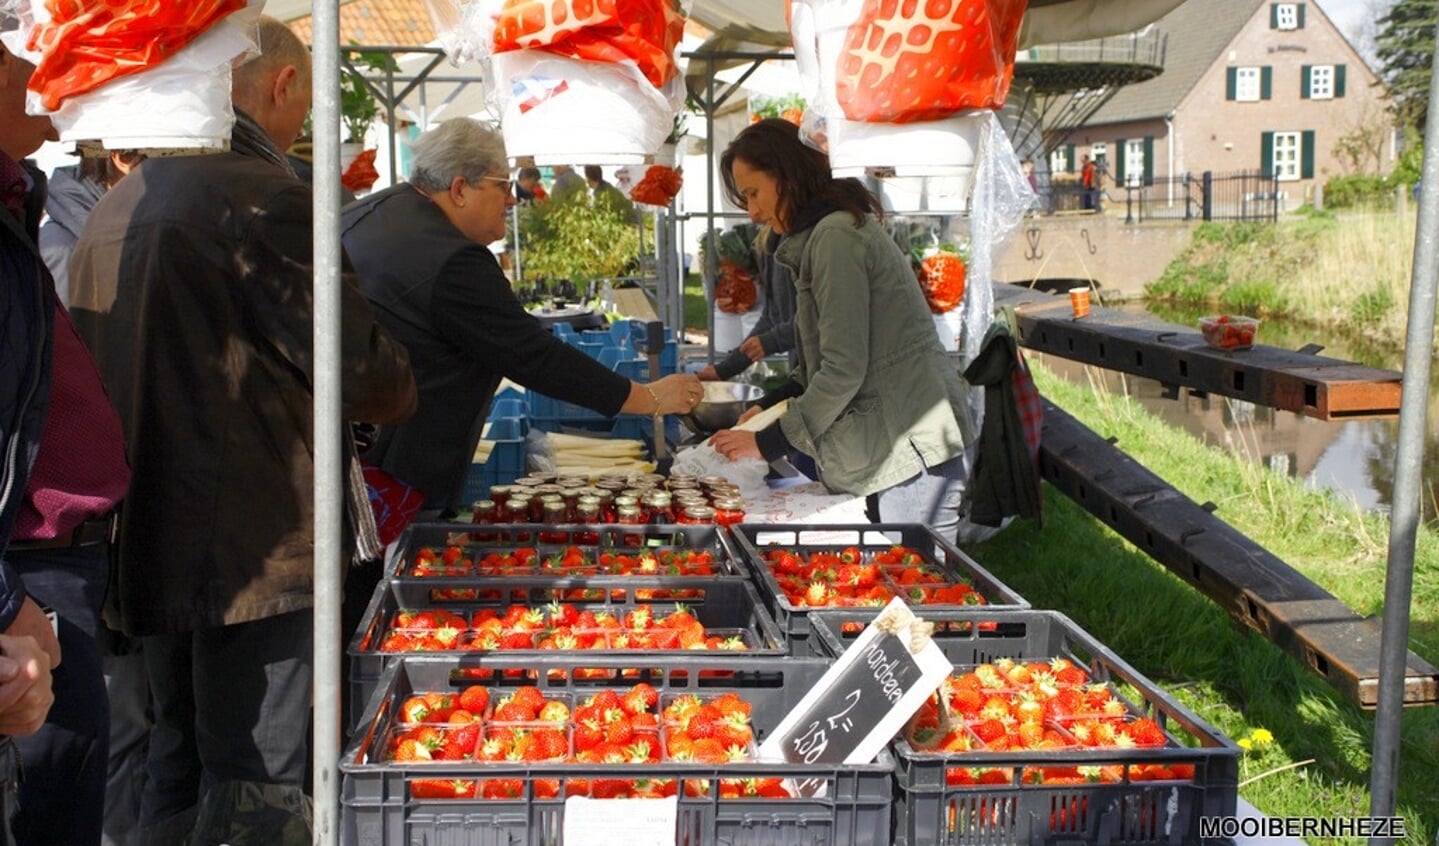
[{"x": 1318, "y": 761}]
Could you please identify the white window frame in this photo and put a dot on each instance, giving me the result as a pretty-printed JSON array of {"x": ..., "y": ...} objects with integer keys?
[
  {"x": 1134, "y": 161},
  {"x": 1286, "y": 155},
  {"x": 1321, "y": 82},
  {"x": 1059, "y": 161},
  {"x": 1286, "y": 15},
  {"x": 1246, "y": 84}
]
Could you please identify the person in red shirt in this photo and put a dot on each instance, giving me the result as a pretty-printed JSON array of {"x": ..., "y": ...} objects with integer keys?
[{"x": 1089, "y": 181}]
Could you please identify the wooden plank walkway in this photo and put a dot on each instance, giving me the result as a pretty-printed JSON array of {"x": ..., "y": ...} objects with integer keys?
[
  {"x": 1307, "y": 384},
  {"x": 1252, "y": 584}
]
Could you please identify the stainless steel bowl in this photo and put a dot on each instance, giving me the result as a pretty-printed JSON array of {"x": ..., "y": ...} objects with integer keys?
[{"x": 721, "y": 406}]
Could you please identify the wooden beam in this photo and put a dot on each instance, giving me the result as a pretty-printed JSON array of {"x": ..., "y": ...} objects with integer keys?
[
  {"x": 1307, "y": 384},
  {"x": 1254, "y": 586}
]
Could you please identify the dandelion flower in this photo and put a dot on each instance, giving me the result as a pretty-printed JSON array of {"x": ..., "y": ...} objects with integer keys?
[
  {"x": 1262, "y": 737},
  {"x": 1246, "y": 744}
]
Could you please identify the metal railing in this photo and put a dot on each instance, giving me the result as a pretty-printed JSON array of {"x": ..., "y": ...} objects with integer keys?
[{"x": 1249, "y": 195}]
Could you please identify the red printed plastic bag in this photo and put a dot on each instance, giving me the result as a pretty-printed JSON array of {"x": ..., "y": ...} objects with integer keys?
[
  {"x": 643, "y": 31},
  {"x": 87, "y": 44},
  {"x": 913, "y": 60}
]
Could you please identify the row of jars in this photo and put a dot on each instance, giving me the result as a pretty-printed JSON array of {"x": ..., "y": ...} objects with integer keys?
[{"x": 630, "y": 499}]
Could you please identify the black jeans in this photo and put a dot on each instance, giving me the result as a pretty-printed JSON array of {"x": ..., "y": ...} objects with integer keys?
[
  {"x": 232, "y": 711},
  {"x": 63, "y": 765}
]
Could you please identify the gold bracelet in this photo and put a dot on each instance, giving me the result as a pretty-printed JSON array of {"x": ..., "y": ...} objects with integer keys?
[{"x": 653, "y": 398}]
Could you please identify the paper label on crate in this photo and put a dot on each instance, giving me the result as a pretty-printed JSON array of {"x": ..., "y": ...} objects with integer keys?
[
  {"x": 621, "y": 822},
  {"x": 864, "y": 700}
]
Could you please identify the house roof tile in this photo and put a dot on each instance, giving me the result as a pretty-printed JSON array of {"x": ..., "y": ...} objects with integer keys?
[{"x": 378, "y": 23}]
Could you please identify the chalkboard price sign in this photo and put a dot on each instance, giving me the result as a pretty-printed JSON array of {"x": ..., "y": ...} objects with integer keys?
[{"x": 865, "y": 698}]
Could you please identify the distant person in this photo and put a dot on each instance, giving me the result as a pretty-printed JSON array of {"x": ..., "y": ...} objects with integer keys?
[
  {"x": 528, "y": 187},
  {"x": 606, "y": 195},
  {"x": 566, "y": 182},
  {"x": 1089, "y": 183}
]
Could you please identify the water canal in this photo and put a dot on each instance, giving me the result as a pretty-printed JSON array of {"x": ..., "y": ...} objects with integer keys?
[{"x": 1354, "y": 458}]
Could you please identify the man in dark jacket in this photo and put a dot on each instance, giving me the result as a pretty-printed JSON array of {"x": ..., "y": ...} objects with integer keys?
[{"x": 193, "y": 285}]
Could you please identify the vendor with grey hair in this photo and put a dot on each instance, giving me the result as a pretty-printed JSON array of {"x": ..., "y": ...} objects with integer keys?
[{"x": 419, "y": 249}]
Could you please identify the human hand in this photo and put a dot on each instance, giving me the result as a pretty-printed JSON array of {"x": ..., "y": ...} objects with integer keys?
[
  {"x": 708, "y": 374},
  {"x": 748, "y": 413},
  {"x": 31, "y": 622},
  {"x": 734, "y": 444},
  {"x": 677, "y": 393},
  {"x": 753, "y": 348},
  {"x": 25, "y": 685}
]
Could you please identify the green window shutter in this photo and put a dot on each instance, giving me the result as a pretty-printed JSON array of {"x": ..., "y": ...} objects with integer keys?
[
  {"x": 1338, "y": 80},
  {"x": 1299, "y": 16},
  {"x": 1231, "y": 83},
  {"x": 1266, "y": 82},
  {"x": 1149, "y": 160},
  {"x": 1119, "y": 162},
  {"x": 1306, "y": 73},
  {"x": 1266, "y": 152},
  {"x": 1273, "y": 15},
  {"x": 1069, "y": 158},
  {"x": 1306, "y": 155}
]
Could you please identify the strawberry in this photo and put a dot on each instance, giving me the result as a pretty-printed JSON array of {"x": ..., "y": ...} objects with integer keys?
[
  {"x": 589, "y": 733},
  {"x": 913, "y": 61},
  {"x": 708, "y": 750},
  {"x": 554, "y": 711},
  {"x": 941, "y": 276},
  {"x": 530, "y": 697},
  {"x": 502, "y": 788},
  {"x": 411, "y": 749},
  {"x": 475, "y": 699},
  {"x": 618, "y": 728},
  {"x": 440, "y": 788},
  {"x": 510, "y": 711},
  {"x": 548, "y": 745},
  {"x": 605, "y": 700},
  {"x": 640, "y": 699}
]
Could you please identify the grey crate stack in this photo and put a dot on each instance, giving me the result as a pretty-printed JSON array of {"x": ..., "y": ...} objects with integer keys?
[{"x": 903, "y": 797}]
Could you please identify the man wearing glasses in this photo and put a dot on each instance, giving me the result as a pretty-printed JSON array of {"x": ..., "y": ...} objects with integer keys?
[{"x": 419, "y": 249}]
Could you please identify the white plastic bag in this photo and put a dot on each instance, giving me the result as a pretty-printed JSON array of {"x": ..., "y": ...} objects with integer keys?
[{"x": 746, "y": 473}]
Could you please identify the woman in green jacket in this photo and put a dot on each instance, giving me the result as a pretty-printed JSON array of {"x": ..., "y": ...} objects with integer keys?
[{"x": 875, "y": 400}]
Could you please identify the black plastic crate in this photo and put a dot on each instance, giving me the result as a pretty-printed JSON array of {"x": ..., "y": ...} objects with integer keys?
[
  {"x": 476, "y": 541},
  {"x": 930, "y": 811},
  {"x": 378, "y": 806},
  {"x": 730, "y": 606},
  {"x": 752, "y": 539}
]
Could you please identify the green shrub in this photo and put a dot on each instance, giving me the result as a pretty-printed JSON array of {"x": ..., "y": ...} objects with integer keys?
[
  {"x": 1254, "y": 297},
  {"x": 568, "y": 238},
  {"x": 1347, "y": 192}
]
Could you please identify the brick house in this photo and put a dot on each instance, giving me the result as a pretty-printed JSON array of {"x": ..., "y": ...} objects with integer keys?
[{"x": 1247, "y": 85}]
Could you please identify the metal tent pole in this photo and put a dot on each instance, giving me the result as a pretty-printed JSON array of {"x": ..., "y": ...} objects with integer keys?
[
  {"x": 329, "y": 455},
  {"x": 1408, "y": 461}
]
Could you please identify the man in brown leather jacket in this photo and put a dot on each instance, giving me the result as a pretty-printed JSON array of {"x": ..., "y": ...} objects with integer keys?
[{"x": 192, "y": 284}]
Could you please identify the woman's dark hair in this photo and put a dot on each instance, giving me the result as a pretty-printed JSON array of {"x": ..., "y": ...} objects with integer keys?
[{"x": 801, "y": 172}]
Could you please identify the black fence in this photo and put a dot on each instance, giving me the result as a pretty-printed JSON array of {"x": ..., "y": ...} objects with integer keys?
[{"x": 1243, "y": 195}]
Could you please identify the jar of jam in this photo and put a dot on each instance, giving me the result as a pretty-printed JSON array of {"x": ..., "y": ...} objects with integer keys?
[
  {"x": 729, "y": 511},
  {"x": 681, "y": 480},
  {"x": 528, "y": 481},
  {"x": 538, "y": 507},
  {"x": 587, "y": 514},
  {"x": 517, "y": 510},
  {"x": 554, "y": 515},
  {"x": 484, "y": 513},
  {"x": 697, "y": 515},
  {"x": 658, "y": 507},
  {"x": 499, "y": 493},
  {"x": 571, "y": 482},
  {"x": 630, "y": 515}
]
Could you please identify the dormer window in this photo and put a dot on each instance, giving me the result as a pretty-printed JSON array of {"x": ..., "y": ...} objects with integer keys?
[{"x": 1286, "y": 16}]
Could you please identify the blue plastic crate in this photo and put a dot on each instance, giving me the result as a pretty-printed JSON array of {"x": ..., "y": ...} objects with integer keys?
[{"x": 506, "y": 462}]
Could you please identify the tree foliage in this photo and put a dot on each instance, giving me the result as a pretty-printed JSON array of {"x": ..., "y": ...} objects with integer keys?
[{"x": 1405, "y": 48}]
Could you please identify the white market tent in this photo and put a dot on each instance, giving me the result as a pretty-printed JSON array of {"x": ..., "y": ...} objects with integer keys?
[{"x": 760, "y": 25}]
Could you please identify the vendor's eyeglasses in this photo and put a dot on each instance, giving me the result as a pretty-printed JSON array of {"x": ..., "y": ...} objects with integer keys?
[{"x": 507, "y": 185}]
